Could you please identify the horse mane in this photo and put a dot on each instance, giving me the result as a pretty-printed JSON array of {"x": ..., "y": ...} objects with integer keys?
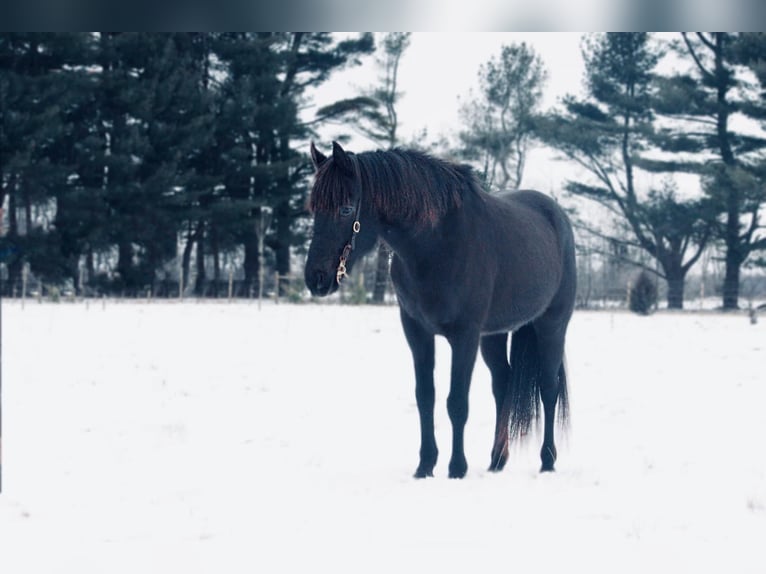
[{"x": 405, "y": 186}]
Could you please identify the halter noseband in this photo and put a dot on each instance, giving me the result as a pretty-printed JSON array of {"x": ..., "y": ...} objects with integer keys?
[{"x": 340, "y": 273}]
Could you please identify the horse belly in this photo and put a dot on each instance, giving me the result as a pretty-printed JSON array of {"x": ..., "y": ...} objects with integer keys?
[
  {"x": 515, "y": 302},
  {"x": 434, "y": 314},
  {"x": 510, "y": 315},
  {"x": 436, "y": 308}
]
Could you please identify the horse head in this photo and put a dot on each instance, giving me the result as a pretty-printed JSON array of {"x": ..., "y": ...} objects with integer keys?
[{"x": 345, "y": 227}]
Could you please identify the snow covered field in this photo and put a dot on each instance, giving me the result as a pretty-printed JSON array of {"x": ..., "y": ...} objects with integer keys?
[{"x": 185, "y": 438}]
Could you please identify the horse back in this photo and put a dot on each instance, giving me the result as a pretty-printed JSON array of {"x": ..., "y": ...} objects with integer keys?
[{"x": 496, "y": 263}]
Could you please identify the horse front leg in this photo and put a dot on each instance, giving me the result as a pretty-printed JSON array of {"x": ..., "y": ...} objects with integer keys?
[
  {"x": 421, "y": 344},
  {"x": 464, "y": 348}
]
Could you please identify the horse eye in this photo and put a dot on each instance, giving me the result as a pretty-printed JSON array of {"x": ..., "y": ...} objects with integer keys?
[{"x": 346, "y": 210}]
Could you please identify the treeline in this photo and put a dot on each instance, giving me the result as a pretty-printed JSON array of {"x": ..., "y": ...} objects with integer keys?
[
  {"x": 653, "y": 107},
  {"x": 137, "y": 163},
  {"x": 125, "y": 154}
]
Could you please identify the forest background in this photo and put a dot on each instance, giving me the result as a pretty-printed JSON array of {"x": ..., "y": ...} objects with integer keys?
[{"x": 176, "y": 165}]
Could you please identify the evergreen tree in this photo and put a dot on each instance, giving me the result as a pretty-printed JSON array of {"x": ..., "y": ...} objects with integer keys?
[
  {"x": 80, "y": 211},
  {"x": 384, "y": 130},
  {"x": 115, "y": 145},
  {"x": 374, "y": 115},
  {"x": 267, "y": 77},
  {"x": 702, "y": 103},
  {"x": 250, "y": 111},
  {"x": 750, "y": 50},
  {"x": 34, "y": 99},
  {"x": 144, "y": 127},
  {"x": 113, "y": 152},
  {"x": 643, "y": 294},
  {"x": 501, "y": 119},
  {"x": 607, "y": 134}
]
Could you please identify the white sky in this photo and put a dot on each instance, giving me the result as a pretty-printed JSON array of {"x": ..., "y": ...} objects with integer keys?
[
  {"x": 438, "y": 69},
  {"x": 437, "y": 72}
]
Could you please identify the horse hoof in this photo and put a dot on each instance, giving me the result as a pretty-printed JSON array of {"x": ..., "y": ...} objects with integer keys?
[
  {"x": 458, "y": 469},
  {"x": 422, "y": 473},
  {"x": 548, "y": 456}
]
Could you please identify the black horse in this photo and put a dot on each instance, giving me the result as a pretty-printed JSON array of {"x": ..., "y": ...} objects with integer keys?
[{"x": 467, "y": 265}]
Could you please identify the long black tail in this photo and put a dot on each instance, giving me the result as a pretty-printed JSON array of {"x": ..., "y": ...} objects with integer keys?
[{"x": 522, "y": 402}]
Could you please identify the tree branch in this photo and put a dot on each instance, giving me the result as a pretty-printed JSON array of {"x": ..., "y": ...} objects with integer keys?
[
  {"x": 701, "y": 244},
  {"x": 705, "y": 41},
  {"x": 697, "y": 61},
  {"x": 292, "y": 70},
  {"x": 617, "y": 256},
  {"x": 747, "y": 236}
]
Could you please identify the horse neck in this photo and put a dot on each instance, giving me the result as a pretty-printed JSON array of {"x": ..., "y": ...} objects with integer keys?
[
  {"x": 415, "y": 242},
  {"x": 414, "y": 246}
]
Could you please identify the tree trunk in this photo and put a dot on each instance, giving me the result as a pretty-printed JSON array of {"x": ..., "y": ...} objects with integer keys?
[
  {"x": 186, "y": 259},
  {"x": 199, "y": 282},
  {"x": 282, "y": 250},
  {"x": 731, "y": 280},
  {"x": 27, "y": 213},
  {"x": 251, "y": 265},
  {"x": 90, "y": 268},
  {"x": 216, "y": 258},
  {"x": 675, "y": 292},
  {"x": 125, "y": 263},
  {"x": 16, "y": 261},
  {"x": 733, "y": 199},
  {"x": 381, "y": 274},
  {"x": 731, "y": 238}
]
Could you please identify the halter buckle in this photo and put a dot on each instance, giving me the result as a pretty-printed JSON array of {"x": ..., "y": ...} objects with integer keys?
[{"x": 341, "y": 272}]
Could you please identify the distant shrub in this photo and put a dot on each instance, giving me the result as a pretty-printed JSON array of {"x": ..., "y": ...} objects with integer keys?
[
  {"x": 54, "y": 294},
  {"x": 357, "y": 294},
  {"x": 295, "y": 294},
  {"x": 643, "y": 294}
]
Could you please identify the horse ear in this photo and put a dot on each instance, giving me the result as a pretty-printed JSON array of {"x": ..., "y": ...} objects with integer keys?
[
  {"x": 341, "y": 159},
  {"x": 317, "y": 157}
]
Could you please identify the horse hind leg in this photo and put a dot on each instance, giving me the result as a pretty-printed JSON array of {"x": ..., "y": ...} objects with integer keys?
[
  {"x": 552, "y": 384},
  {"x": 494, "y": 351}
]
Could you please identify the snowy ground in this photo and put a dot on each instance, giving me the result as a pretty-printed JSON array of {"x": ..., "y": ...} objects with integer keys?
[{"x": 188, "y": 438}]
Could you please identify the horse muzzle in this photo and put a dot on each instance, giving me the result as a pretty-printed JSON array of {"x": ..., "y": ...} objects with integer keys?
[{"x": 321, "y": 283}]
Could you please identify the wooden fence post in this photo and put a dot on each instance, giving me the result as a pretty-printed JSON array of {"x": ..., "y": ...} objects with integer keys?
[
  {"x": 24, "y": 277},
  {"x": 276, "y": 287}
]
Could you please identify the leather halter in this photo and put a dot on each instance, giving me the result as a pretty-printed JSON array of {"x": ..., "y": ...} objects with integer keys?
[{"x": 340, "y": 273}]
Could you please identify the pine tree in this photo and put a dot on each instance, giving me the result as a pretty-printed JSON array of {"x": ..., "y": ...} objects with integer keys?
[
  {"x": 114, "y": 145},
  {"x": 373, "y": 114},
  {"x": 703, "y": 102},
  {"x": 35, "y": 97},
  {"x": 608, "y": 134},
  {"x": 643, "y": 294},
  {"x": 500, "y": 120},
  {"x": 267, "y": 75}
]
